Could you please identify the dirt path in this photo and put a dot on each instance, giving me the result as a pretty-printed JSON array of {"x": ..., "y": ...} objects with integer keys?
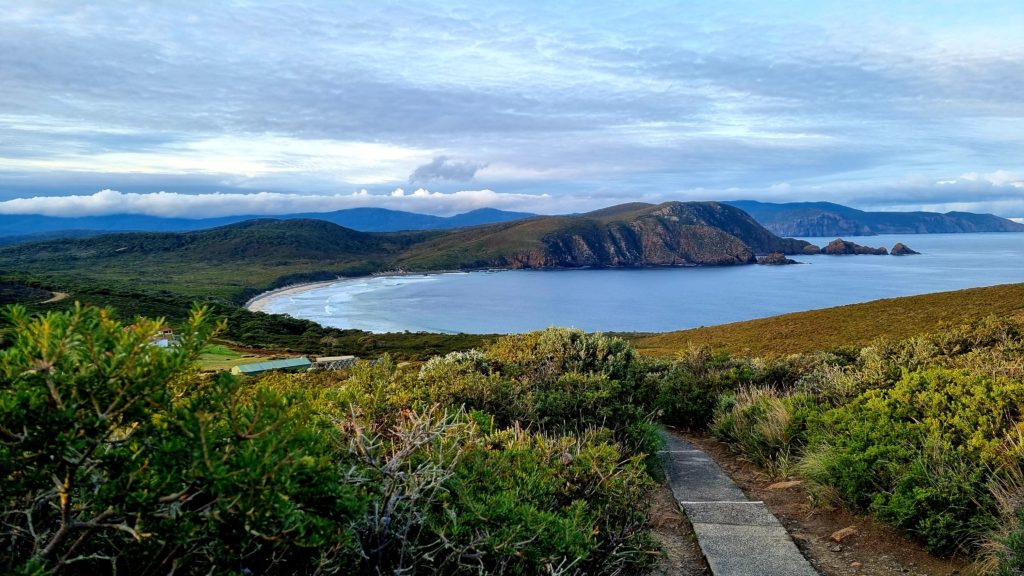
[
  {"x": 682, "y": 555},
  {"x": 874, "y": 549},
  {"x": 57, "y": 297}
]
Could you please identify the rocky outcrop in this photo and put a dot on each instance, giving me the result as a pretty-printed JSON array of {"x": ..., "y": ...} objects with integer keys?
[
  {"x": 642, "y": 243},
  {"x": 776, "y": 259},
  {"x": 901, "y": 249},
  {"x": 840, "y": 247}
]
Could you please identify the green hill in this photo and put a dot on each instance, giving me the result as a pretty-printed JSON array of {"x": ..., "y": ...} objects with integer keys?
[
  {"x": 628, "y": 235},
  {"x": 238, "y": 260}
]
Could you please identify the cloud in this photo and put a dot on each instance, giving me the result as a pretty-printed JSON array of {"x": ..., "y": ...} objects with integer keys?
[
  {"x": 173, "y": 204},
  {"x": 997, "y": 192},
  {"x": 649, "y": 102},
  {"x": 444, "y": 168}
]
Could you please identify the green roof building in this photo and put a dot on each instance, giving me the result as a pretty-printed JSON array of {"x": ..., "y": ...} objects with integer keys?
[{"x": 288, "y": 364}]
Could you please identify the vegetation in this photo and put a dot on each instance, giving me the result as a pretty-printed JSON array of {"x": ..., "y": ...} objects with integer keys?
[
  {"x": 12, "y": 293},
  {"x": 850, "y": 326},
  {"x": 527, "y": 456},
  {"x": 924, "y": 433}
]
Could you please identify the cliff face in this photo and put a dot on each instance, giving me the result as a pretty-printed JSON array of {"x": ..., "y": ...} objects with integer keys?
[
  {"x": 628, "y": 235},
  {"x": 645, "y": 243}
]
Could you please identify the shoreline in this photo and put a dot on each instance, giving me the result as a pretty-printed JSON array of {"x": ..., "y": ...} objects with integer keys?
[{"x": 259, "y": 302}]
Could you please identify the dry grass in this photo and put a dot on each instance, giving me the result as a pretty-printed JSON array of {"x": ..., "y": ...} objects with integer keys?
[{"x": 852, "y": 325}]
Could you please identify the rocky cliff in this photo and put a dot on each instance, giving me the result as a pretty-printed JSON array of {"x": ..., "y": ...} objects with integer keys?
[{"x": 629, "y": 235}]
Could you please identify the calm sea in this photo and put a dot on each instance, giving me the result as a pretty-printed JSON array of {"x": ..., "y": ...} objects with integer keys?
[{"x": 655, "y": 300}]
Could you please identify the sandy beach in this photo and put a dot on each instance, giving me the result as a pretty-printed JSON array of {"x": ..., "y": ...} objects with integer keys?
[{"x": 259, "y": 302}]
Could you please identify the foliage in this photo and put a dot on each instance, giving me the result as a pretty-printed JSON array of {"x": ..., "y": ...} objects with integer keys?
[
  {"x": 118, "y": 457},
  {"x": 855, "y": 325},
  {"x": 766, "y": 426}
]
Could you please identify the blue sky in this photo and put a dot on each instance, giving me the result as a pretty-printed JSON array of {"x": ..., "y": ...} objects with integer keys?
[{"x": 213, "y": 108}]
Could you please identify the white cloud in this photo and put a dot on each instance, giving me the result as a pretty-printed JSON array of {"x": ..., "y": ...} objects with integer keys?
[
  {"x": 445, "y": 168},
  {"x": 998, "y": 178},
  {"x": 172, "y": 204},
  {"x": 251, "y": 156}
]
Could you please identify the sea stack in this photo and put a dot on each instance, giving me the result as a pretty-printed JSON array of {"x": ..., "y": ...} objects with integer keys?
[
  {"x": 775, "y": 259},
  {"x": 901, "y": 249},
  {"x": 839, "y": 247}
]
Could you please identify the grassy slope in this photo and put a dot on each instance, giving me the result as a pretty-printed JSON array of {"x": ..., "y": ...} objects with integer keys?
[{"x": 852, "y": 325}]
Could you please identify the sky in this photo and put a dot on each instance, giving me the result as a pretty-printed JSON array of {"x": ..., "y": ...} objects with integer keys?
[{"x": 203, "y": 109}]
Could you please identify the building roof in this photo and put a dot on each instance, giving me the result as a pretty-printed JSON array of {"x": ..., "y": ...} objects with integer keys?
[
  {"x": 286, "y": 364},
  {"x": 334, "y": 358}
]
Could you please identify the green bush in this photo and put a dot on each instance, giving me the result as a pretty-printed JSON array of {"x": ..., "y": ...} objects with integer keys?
[
  {"x": 686, "y": 391},
  {"x": 767, "y": 427},
  {"x": 118, "y": 457},
  {"x": 526, "y": 503},
  {"x": 919, "y": 454}
]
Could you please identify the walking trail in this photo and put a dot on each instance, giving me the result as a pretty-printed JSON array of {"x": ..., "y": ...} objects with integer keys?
[{"x": 739, "y": 537}]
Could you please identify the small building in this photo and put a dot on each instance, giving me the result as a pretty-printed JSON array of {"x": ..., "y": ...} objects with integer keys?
[
  {"x": 165, "y": 338},
  {"x": 334, "y": 362},
  {"x": 287, "y": 364}
]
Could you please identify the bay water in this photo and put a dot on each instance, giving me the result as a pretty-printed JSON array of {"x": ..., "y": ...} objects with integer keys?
[{"x": 656, "y": 299}]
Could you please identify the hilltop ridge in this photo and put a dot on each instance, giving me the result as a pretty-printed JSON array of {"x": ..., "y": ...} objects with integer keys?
[
  {"x": 627, "y": 235},
  {"x": 829, "y": 219}
]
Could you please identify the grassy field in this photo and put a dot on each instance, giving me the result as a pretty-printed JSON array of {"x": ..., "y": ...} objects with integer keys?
[
  {"x": 218, "y": 357},
  {"x": 853, "y": 325}
]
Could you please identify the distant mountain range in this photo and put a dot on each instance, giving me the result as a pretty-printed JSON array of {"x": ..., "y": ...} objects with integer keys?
[
  {"x": 792, "y": 219},
  {"x": 828, "y": 219},
  {"x": 17, "y": 228}
]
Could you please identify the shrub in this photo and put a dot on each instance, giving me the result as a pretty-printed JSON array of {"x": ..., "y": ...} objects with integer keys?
[
  {"x": 556, "y": 380},
  {"x": 687, "y": 390},
  {"x": 765, "y": 426},
  {"x": 525, "y": 503},
  {"x": 918, "y": 455},
  {"x": 541, "y": 356},
  {"x": 160, "y": 469}
]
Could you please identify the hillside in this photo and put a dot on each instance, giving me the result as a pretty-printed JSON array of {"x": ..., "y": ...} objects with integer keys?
[
  {"x": 21, "y": 228},
  {"x": 239, "y": 259},
  {"x": 229, "y": 261},
  {"x": 636, "y": 234},
  {"x": 828, "y": 219},
  {"x": 842, "y": 326}
]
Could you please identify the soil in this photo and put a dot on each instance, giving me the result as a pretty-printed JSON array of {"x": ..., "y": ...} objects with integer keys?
[
  {"x": 681, "y": 556},
  {"x": 874, "y": 549}
]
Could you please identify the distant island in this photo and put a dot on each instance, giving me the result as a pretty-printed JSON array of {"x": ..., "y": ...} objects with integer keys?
[{"x": 804, "y": 219}]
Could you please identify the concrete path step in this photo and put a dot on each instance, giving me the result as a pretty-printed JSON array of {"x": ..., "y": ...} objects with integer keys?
[{"x": 739, "y": 537}]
